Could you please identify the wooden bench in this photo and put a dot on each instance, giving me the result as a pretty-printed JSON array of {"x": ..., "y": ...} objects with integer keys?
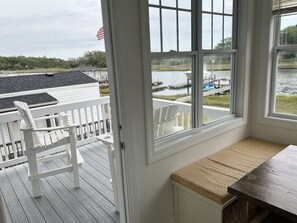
[{"x": 200, "y": 189}]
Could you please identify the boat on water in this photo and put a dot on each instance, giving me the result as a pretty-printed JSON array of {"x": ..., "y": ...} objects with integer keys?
[
  {"x": 206, "y": 74},
  {"x": 208, "y": 85}
]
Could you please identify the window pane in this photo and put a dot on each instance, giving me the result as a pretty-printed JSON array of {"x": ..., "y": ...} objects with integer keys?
[
  {"x": 184, "y": 4},
  {"x": 169, "y": 30},
  {"x": 170, "y": 3},
  {"x": 217, "y": 30},
  {"x": 216, "y": 87},
  {"x": 288, "y": 33},
  {"x": 228, "y": 32},
  {"x": 155, "y": 29},
  {"x": 185, "y": 31},
  {"x": 206, "y": 5},
  {"x": 206, "y": 31},
  {"x": 229, "y": 6},
  {"x": 154, "y": 2},
  {"x": 218, "y": 6},
  {"x": 171, "y": 83},
  {"x": 286, "y": 84}
]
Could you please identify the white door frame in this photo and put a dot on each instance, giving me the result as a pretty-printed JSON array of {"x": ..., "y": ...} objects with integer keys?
[{"x": 112, "y": 60}]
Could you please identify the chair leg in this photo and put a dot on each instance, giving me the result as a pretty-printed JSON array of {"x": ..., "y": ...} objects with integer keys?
[
  {"x": 74, "y": 161},
  {"x": 34, "y": 170},
  {"x": 68, "y": 154}
]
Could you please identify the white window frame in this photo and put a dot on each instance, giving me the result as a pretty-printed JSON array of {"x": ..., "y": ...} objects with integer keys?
[
  {"x": 267, "y": 71},
  {"x": 278, "y": 49},
  {"x": 171, "y": 144}
]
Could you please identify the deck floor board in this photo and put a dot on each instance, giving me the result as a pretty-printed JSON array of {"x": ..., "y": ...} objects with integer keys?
[{"x": 60, "y": 202}]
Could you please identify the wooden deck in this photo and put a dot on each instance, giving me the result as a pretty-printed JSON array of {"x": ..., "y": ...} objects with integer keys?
[{"x": 92, "y": 202}]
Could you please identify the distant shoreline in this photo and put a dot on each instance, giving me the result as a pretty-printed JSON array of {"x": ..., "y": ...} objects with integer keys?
[{"x": 43, "y": 70}]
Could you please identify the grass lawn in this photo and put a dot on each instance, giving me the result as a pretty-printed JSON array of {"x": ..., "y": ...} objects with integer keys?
[{"x": 286, "y": 105}]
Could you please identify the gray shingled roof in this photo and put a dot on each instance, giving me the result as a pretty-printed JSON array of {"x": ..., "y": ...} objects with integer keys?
[
  {"x": 42, "y": 81},
  {"x": 33, "y": 100}
]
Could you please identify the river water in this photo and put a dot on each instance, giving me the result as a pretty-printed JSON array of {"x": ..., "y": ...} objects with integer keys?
[{"x": 286, "y": 81}]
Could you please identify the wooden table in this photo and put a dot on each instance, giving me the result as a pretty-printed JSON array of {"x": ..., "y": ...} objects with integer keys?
[
  {"x": 272, "y": 185},
  {"x": 107, "y": 139}
]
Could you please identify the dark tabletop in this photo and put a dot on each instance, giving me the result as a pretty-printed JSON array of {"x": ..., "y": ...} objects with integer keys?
[{"x": 272, "y": 185}]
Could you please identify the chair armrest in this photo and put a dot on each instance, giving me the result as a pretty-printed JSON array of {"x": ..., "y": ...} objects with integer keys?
[{"x": 54, "y": 128}]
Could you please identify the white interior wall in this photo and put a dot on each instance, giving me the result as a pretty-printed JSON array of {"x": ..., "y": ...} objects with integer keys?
[{"x": 149, "y": 190}]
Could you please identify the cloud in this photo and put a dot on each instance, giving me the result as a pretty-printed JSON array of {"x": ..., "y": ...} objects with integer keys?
[{"x": 49, "y": 27}]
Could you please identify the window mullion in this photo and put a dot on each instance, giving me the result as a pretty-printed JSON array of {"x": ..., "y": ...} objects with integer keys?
[
  {"x": 272, "y": 96},
  {"x": 161, "y": 27},
  {"x": 197, "y": 85},
  {"x": 273, "y": 83},
  {"x": 177, "y": 27},
  {"x": 211, "y": 24},
  {"x": 233, "y": 84}
]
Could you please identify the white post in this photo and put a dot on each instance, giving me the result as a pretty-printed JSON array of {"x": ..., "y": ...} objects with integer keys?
[
  {"x": 32, "y": 162},
  {"x": 74, "y": 157}
]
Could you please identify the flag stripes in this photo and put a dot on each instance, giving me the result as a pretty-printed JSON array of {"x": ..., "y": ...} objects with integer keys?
[{"x": 100, "y": 33}]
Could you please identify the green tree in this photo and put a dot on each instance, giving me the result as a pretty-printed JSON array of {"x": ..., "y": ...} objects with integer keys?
[
  {"x": 288, "y": 36},
  {"x": 225, "y": 44}
]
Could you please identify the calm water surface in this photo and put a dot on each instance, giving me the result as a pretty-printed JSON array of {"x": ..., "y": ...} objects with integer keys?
[{"x": 286, "y": 81}]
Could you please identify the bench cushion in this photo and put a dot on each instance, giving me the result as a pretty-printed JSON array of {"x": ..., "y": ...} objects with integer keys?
[{"x": 212, "y": 175}]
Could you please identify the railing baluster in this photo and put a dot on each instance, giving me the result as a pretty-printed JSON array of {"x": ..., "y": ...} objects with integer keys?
[
  {"x": 22, "y": 140},
  {"x": 80, "y": 125},
  {"x": 4, "y": 142},
  {"x": 93, "y": 123},
  {"x": 73, "y": 118},
  {"x": 104, "y": 118},
  {"x": 109, "y": 117},
  {"x": 14, "y": 149},
  {"x": 99, "y": 120},
  {"x": 88, "y": 132},
  {"x": 189, "y": 120}
]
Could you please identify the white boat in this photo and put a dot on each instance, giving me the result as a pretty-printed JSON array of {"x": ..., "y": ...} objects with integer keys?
[{"x": 206, "y": 74}]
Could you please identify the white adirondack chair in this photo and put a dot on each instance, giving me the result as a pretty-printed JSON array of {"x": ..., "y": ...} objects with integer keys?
[
  {"x": 46, "y": 140},
  {"x": 165, "y": 120}
]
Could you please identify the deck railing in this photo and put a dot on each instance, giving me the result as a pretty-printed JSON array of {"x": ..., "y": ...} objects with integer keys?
[
  {"x": 92, "y": 117},
  {"x": 210, "y": 113}
]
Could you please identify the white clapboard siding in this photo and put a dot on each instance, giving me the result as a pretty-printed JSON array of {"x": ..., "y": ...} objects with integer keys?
[{"x": 66, "y": 94}]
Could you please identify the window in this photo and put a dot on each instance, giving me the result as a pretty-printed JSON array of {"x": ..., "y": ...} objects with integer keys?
[
  {"x": 193, "y": 57},
  {"x": 283, "y": 101}
]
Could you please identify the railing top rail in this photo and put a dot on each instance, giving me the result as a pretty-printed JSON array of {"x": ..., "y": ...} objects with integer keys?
[{"x": 37, "y": 112}]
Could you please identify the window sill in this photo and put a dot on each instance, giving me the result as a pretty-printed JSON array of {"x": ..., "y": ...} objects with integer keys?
[
  {"x": 178, "y": 142},
  {"x": 278, "y": 122}
]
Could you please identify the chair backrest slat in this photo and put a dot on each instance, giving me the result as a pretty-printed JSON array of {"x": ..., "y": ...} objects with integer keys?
[
  {"x": 165, "y": 119},
  {"x": 26, "y": 115}
]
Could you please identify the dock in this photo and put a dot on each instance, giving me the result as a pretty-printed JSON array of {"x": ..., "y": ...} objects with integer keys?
[
  {"x": 179, "y": 86},
  {"x": 206, "y": 93},
  {"x": 159, "y": 88}
]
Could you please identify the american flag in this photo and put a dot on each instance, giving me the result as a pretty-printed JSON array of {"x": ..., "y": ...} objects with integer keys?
[{"x": 100, "y": 33}]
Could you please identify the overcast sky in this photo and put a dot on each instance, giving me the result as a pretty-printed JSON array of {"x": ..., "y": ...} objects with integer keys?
[{"x": 52, "y": 28}]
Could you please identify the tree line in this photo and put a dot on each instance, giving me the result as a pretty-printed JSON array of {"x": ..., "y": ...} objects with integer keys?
[{"x": 90, "y": 58}]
